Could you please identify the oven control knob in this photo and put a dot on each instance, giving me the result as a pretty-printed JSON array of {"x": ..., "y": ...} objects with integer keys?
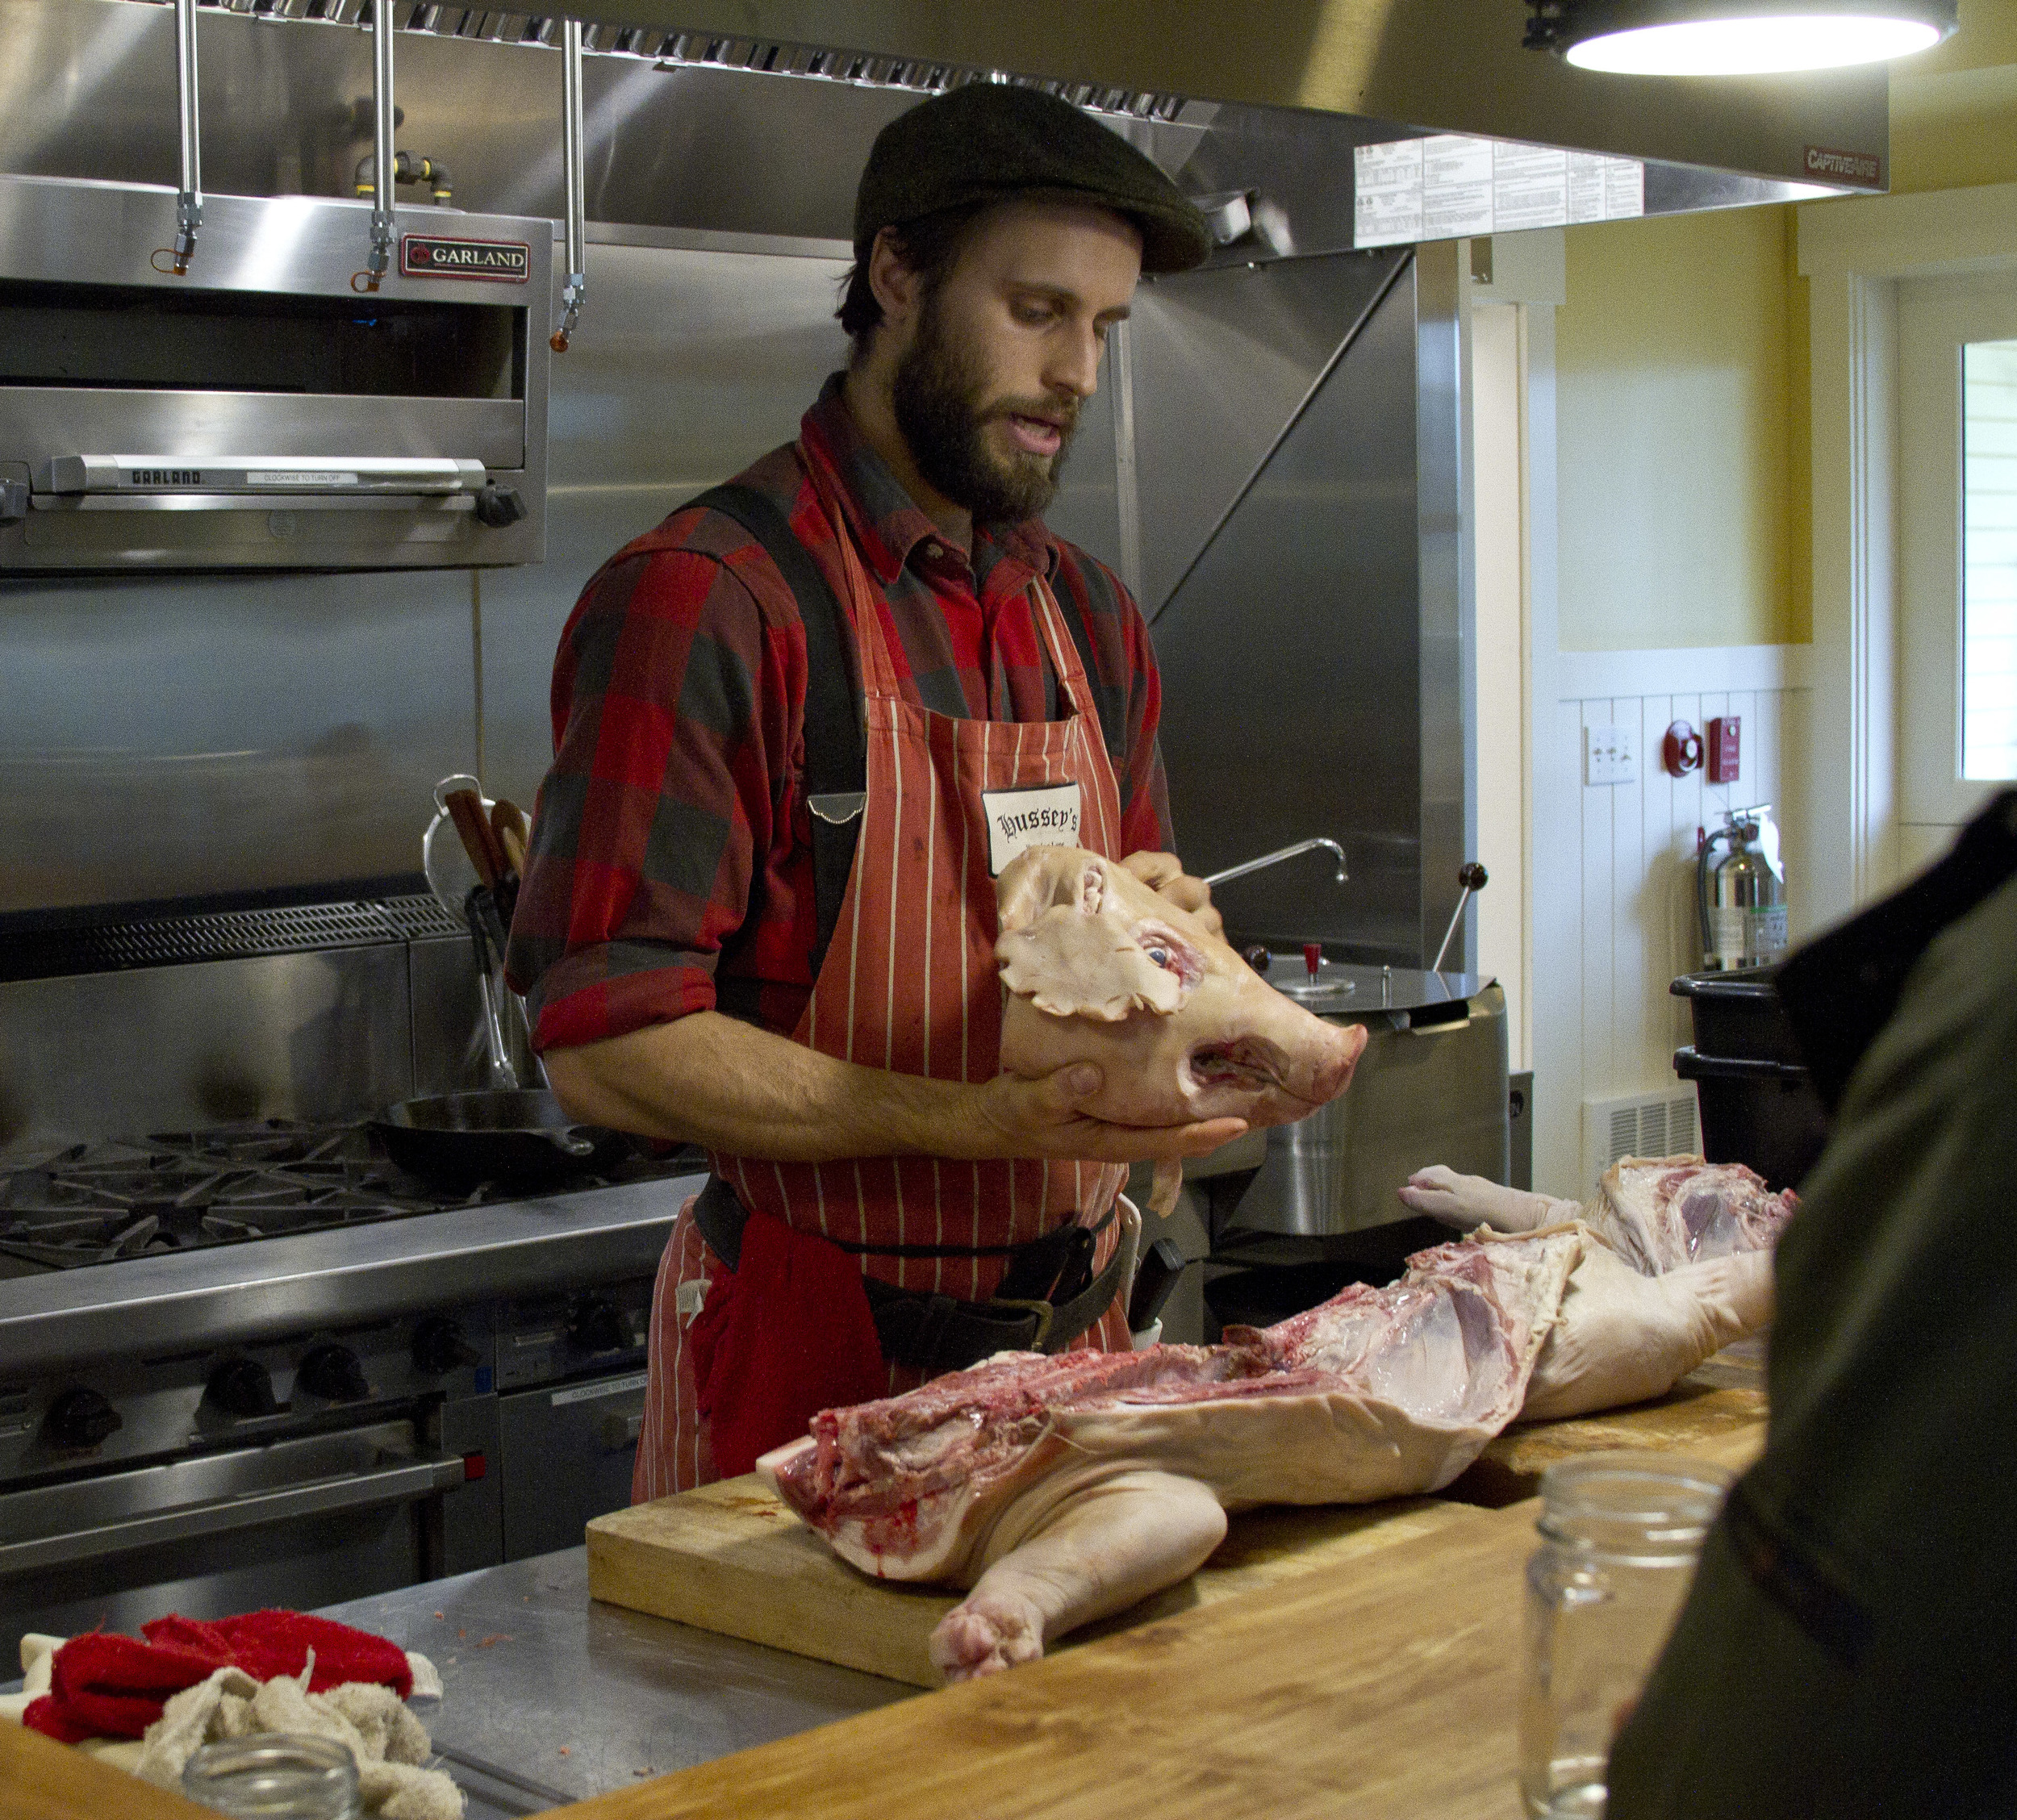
[
  {"x": 333, "y": 1372},
  {"x": 80, "y": 1418},
  {"x": 242, "y": 1387},
  {"x": 596, "y": 1326},
  {"x": 438, "y": 1347}
]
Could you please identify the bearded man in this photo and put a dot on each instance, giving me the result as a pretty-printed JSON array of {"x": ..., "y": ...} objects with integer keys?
[{"x": 799, "y": 728}]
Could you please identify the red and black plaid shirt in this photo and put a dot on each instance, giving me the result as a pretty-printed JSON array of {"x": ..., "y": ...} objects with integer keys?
[{"x": 671, "y": 868}]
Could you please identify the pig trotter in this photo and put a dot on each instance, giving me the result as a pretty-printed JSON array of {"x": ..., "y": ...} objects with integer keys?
[
  {"x": 987, "y": 1634},
  {"x": 1470, "y": 1200},
  {"x": 1095, "y": 1554}
]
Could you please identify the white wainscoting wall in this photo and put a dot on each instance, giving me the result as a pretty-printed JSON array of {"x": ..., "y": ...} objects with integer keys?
[{"x": 1613, "y": 880}]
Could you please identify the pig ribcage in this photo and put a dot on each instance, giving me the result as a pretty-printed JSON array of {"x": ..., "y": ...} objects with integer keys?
[{"x": 1375, "y": 1392}]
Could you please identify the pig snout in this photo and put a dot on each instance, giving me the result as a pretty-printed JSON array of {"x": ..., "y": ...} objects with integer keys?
[
  {"x": 1264, "y": 1055},
  {"x": 1099, "y": 968}
]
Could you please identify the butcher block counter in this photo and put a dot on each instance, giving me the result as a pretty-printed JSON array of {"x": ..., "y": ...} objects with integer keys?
[{"x": 1385, "y": 1682}]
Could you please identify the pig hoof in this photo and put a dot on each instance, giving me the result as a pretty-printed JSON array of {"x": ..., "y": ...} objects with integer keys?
[{"x": 986, "y": 1635}]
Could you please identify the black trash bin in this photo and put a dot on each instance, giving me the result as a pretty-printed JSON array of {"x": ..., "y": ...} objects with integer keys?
[{"x": 1758, "y": 1106}]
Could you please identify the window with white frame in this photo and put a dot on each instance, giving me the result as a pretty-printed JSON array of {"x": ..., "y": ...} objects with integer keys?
[{"x": 1988, "y": 562}]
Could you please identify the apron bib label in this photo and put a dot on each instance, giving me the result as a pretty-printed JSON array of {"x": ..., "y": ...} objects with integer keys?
[{"x": 1044, "y": 816}]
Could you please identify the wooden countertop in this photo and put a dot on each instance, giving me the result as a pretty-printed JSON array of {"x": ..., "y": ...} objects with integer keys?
[{"x": 1385, "y": 1685}]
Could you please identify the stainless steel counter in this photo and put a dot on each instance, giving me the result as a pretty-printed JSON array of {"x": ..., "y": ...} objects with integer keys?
[
  {"x": 559, "y": 1698},
  {"x": 242, "y": 1293}
]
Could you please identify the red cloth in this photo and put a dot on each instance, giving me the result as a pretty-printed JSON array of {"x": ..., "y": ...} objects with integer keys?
[
  {"x": 785, "y": 1334},
  {"x": 103, "y": 1685}
]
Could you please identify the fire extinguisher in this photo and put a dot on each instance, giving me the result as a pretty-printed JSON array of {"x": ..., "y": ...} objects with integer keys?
[{"x": 1742, "y": 898}]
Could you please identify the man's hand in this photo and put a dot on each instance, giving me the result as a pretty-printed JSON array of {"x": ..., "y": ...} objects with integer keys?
[
  {"x": 710, "y": 1079},
  {"x": 1013, "y": 1116},
  {"x": 1164, "y": 873}
]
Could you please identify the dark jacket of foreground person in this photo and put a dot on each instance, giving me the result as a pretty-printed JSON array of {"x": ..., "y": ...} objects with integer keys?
[{"x": 1850, "y": 1645}]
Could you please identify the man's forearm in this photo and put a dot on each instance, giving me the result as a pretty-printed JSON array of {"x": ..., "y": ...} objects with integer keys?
[{"x": 711, "y": 1079}]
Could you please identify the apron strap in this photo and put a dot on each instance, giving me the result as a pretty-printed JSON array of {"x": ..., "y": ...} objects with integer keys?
[
  {"x": 836, "y": 746},
  {"x": 1112, "y": 713}
]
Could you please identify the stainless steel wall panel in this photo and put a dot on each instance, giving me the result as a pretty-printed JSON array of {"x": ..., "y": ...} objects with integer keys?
[
  {"x": 1292, "y": 660},
  {"x": 179, "y": 1048},
  {"x": 189, "y": 737},
  {"x": 451, "y": 1050},
  {"x": 1449, "y": 822},
  {"x": 688, "y": 365},
  {"x": 1223, "y": 360}
]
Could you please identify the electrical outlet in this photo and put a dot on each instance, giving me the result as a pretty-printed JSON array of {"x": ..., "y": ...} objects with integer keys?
[{"x": 1609, "y": 755}]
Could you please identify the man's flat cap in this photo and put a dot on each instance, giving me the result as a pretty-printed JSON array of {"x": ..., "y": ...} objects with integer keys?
[{"x": 986, "y": 142}]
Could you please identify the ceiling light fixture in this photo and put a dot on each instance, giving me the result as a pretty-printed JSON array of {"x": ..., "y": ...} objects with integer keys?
[{"x": 1734, "y": 37}]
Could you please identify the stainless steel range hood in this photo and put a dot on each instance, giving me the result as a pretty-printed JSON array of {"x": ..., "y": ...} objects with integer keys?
[
  {"x": 260, "y": 412},
  {"x": 1448, "y": 66}
]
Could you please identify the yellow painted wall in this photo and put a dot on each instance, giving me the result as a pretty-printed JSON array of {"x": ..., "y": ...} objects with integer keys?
[
  {"x": 1674, "y": 360},
  {"x": 1954, "y": 110},
  {"x": 1682, "y": 382}
]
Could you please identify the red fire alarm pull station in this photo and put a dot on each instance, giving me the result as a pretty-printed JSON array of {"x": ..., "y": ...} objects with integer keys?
[{"x": 1724, "y": 748}]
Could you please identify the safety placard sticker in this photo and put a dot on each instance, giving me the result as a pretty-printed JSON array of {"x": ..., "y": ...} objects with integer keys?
[{"x": 609, "y": 1387}]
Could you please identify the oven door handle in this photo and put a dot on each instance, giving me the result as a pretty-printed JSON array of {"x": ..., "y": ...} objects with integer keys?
[{"x": 357, "y": 1491}]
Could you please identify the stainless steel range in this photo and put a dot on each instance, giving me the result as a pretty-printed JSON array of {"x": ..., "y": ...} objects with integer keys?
[{"x": 254, "y": 1362}]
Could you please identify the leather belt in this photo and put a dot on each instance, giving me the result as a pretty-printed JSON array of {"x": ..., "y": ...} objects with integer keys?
[{"x": 1049, "y": 1295}]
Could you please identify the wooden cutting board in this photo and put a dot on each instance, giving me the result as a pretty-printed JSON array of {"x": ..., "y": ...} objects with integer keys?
[
  {"x": 1388, "y": 1688},
  {"x": 730, "y": 1558}
]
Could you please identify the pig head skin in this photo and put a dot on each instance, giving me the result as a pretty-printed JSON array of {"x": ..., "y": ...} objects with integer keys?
[{"x": 1099, "y": 968}]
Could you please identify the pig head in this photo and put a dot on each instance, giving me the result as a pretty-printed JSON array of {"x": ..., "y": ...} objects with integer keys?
[{"x": 1100, "y": 968}]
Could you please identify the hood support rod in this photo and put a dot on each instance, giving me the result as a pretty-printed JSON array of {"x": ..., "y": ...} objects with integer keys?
[
  {"x": 383, "y": 182},
  {"x": 572, "y": 178},
  {"x": 189, "y": 200}
]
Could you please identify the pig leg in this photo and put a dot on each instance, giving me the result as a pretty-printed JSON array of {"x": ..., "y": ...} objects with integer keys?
[
  {"x": 1165, "y": 1185},
  {"x": 1105, "y": 1549},
  {"x": 1622, "y": 1338},
  {"x": 1470, "y": 1200}
]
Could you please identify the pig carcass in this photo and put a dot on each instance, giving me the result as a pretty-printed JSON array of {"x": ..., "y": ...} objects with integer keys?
[
  {"x": 1099, "y": 968},
  {"x": 1060, "y": 1490},
  {"x": 1655, "y": 1212}
]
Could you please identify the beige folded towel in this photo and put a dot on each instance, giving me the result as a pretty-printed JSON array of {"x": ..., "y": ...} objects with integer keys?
[{"x": 388, "y": 1742}]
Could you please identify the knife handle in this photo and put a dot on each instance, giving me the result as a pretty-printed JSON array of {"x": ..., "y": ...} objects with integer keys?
[
  {"x": 467, "y": 809},
  {"x": 509, "y": 822}
]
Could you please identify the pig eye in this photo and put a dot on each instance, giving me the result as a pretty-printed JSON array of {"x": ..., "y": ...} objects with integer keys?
[{"x": 1162, "y": 957}]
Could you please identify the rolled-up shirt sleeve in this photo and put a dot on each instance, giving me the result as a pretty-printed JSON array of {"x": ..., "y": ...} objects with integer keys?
[{"x": 673, "y": 742}]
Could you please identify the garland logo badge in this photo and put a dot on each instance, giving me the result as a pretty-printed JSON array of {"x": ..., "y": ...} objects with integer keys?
[
  {"x": 429, "y": 255},
  {"x": 1864, "y": 168}
]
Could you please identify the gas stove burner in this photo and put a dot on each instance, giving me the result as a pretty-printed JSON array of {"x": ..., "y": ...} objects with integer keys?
[{"x": 176, "y": 1191}]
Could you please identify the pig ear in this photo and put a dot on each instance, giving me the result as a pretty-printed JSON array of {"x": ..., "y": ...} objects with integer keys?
[
  {"x": 1073, "y": 964},
  {"x": 1043, "y": 878}
]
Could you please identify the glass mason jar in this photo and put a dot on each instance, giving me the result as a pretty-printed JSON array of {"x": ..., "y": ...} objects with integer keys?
[
  {"x": 278, "y": 1776},
  {"x": 1620, "y": 1536}
]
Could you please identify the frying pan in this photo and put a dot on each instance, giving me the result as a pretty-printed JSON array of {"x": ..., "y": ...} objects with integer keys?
[{"x": 520, "y": 1137}]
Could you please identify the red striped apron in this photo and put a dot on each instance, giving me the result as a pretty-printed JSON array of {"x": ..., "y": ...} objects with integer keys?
[{"x": 908, "y": 984}]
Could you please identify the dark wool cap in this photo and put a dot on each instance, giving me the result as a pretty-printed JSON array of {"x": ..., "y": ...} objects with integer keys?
[{"x": 985, "y": 142}]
